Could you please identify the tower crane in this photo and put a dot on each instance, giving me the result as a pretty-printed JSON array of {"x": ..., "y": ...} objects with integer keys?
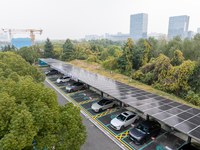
[{"x": 19, "y": 31}]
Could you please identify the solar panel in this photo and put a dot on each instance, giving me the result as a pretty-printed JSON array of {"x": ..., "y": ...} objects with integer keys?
[
  {"x": 180, "y": 116},
  {"x": 185, "y": 126},
  {"x": 195, "y": 133}
]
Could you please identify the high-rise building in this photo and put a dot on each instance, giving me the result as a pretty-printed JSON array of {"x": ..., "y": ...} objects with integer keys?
[
  {"x": 198, "y": 30},
  {"x": 138, "y": 26},
  {"x": 190, "y": 34},
  {"x": 178, "y": 25}
]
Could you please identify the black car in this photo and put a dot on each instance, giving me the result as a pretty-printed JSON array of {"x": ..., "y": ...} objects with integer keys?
[
  {"x": 51, "y": 72},
  {"x": 190, "y": 146},
  {"x": 144, "y": 131}
]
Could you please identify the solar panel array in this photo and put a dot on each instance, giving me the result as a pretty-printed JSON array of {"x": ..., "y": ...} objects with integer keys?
[{"x": 177, "y": 115}]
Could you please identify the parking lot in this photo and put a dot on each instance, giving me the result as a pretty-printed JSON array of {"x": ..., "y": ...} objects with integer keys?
[{"x": 84, "y": 99}]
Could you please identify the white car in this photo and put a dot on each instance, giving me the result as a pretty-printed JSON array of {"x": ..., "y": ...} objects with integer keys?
[
  {"x": 63, "y": 79},
  {"x": 103, "y": 104},
  {"x": 123, "y": 120}
]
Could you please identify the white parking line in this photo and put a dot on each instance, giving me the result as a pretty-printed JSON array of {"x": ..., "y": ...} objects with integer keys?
[{"x": 92, "y": 120}]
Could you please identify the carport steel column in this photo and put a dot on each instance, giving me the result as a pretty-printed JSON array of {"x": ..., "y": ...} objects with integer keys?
[
  {"x": 147, "y": 117},
  {"x": 101, "y": 94},
  {"x": 189, "y": 139}
]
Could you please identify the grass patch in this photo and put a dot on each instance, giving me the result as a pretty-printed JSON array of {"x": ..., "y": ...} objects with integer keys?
[{"x": 125, "y": 79}]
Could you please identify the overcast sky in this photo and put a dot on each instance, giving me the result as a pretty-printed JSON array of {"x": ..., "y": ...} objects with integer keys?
[{"x": 62, "y": 19}]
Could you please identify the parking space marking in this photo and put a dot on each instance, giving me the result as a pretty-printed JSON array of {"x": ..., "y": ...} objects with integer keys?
[
  {"x": 121, "y": 137},
  {"x": 105, "y": 113},
  {"x": 88, "y": 101},
  {"x": 95, "y": 118},
  {"x": 123, "y": 134},
  {"x": 183, "y": 144},
  {"x": 156, "y": 138}
]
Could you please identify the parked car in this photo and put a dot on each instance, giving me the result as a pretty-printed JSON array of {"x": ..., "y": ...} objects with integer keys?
[
  {"x": 63, "y": 79},
  {"x": 51, "y": 72},
  {"x": 75, "y": 86},
  {"x": 144, "y": 131},
  {"x": 103, "y": 104},
  {"x": 190, "y": 146},
  {"x": 124, "y": 119}
]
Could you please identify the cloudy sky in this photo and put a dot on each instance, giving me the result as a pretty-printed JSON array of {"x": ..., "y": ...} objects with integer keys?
[{"x": 62, "y": 19}]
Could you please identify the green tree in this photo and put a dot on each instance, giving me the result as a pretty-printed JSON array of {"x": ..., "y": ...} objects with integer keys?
[
  {"x": 29, "y": 54},
  {"x": 110, "y": 63},
  {"x": 104, "y": 55},
  {"x": 58, "y": 51},
  {"x": 10, "y": 62},
  {"x": 29, "y": 111},
  {"x": 173, "y": 45},
  {"x": 79, "y": 50},
  {"x": 124, "y": 62},
  {"x": 68, "y": 51},
  {"x": 162, "y": 46},
  {"x": 146, "y": 53},
  {"x": 9, "y": 48},
  {"x": 196, "y": 46},
  {"x": 111, "y": 49},
  {"x": 48, "y": 49},
  {"x": 177, "y": 59},
  {"x": 188, "y": 49}
]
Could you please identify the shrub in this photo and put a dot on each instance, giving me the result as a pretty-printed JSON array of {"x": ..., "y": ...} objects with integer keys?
[{"x": 193, "y": 98}]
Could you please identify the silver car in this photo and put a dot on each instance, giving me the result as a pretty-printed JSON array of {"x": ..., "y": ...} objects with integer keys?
[
  {"x": 63, "y": 79},
  {"x": 123, "y": 120},
  {"x": 75, "y": 86},
  {"x": 103, "y": 104}
]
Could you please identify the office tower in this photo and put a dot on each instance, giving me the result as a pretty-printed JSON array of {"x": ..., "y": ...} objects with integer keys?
[
  {"x": 178, "y": 25},
  {"x": 190, "y": 34},
  {"x": 138, "y": 26},
  {"x": 198, "y": 30}
]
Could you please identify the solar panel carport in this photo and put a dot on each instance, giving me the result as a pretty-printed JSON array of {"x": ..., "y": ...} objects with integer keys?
[{"x": 181, "y": 117}]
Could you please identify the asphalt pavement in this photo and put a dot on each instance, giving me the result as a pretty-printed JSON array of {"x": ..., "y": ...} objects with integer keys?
[{"x": 96, "y": 139}]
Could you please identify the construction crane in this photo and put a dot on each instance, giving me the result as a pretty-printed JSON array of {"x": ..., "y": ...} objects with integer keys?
[{"x": 21, "y": 31}]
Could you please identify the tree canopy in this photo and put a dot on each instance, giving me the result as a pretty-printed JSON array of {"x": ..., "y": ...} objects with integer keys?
[
  {"x": 68, "y": 51},
  {"x": 29, "y": 111},
  {"x": 29, "y": 54},
  {"x": 48, "y": 49}
]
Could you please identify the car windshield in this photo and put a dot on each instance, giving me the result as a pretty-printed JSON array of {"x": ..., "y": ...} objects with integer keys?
[
  {"x": 61, "y": 77},
  {"x": 102, "y": 102},
  {"x": 75, "y": 83},
  {"x": 121, "y": 117},
  {"x": 141, "y": 128}
]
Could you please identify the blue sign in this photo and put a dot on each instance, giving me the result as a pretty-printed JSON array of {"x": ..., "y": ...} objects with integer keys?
[
  {"x": 160, "y": 147},
  {"x": 113, "y": 116}
]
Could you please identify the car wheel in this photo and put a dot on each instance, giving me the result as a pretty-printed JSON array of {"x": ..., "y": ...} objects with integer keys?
[
  {"x": 143, "y": 141},
  {"x": 71, "y": 91},
  {"x": 122, "y": 127},
  {"x": 114, "y": 105},
  {"x": 100, "y": 110}
]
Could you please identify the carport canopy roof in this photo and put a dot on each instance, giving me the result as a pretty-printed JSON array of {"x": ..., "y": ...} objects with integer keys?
[{"x": 181, "y": 117}]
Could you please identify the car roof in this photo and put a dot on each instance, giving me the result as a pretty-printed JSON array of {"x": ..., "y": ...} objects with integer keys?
[
  {"x": 65, "y": 76},
  {"x": 127, "y": 113},
  {"x": 149, "y": 123},
  {"x": 105, "y": 100}
]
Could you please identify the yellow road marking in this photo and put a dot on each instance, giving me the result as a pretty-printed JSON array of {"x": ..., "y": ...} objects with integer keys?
[
  {"x": 165, "y": 136},
  {"x": 94, "y": 117},
  {"x": 178, "y": 144},
  {"x": 122, "y": 135}
]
